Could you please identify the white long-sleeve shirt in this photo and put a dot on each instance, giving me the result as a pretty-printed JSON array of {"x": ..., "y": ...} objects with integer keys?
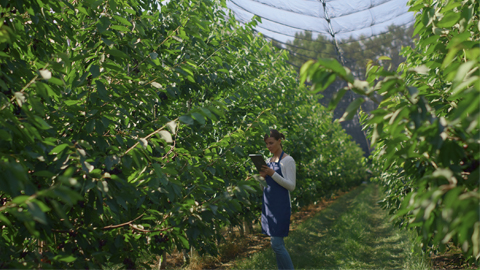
[{"x": 289, "y": 172}]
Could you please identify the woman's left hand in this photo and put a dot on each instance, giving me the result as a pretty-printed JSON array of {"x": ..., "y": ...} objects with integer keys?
[{"x": 266, "y": 170}]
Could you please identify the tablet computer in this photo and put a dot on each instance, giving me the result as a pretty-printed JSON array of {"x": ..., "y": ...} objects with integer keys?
[{"x": 258, "y": 161}]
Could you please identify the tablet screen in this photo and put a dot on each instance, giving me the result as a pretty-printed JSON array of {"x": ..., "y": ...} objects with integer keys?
[{"x": 258, "y": 161}]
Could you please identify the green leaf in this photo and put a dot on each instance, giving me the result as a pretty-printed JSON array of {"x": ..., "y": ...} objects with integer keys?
[
  {"x": 120, "y": 28},
  {"x": 102, "y": 91},
  {"x": 131, "y": 11},
  {"x": 95, "y": 70},
  {"x": 449, "y": 20},
  {"x": 336, "y": 98},
  {"x": 113, "y": 66},
  {"x": 122, "y": 20},
  {"x": 187, "y": 70},
  {"x": 5, "y": 220},
  {"x": 42, "y": 205},
  {"x": 58, "y": 149},
  {"x": 352, "y": 109},
  {"x": 44, "y": 173},
  {"x": 37, "y": 213},
  {"x": 305, "y": 70},
  {"x": 218, "y": 60},
  {"x": 56, "y": 81},
  {"x": 199, "y": 118},
  {"x": 108, "y": 42},
  {"x": 216, "y": 111},
  {"x": 336, "y": 67},
  {"x": 465, "y": 107},
  {"x": 208, "y": 114},
  {"x": 3, "y": 85},
  {"x": 459, "y": 39},
  {"x": 473, "y": 177},
  {"x": 375, "y": 135},
  {"x": 40, "y": 123},
  {"x": 183, "y": 241},
  {"x": 117, "y": 53},
  {"x": 473, "y": 54},
  {"x": 416, "y": 7},
  {"x": 5, "y": 135},
  {"x": 20, "y": 199},
  {"x": 66, "y": 194},
  {"x": 72, "y": 102},
  {"x": 65, "y": 258},
  {"x": 420, "y": 27},
  {"x": 186, "y": 119},
  {"x": 321, "y": 80},
  {"x": 452, "y": 53},
  {"x": 463, "y": 70},
  {"x": 103, "y": 22}
]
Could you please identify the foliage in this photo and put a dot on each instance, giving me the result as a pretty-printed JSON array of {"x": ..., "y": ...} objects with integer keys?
[
  {"x": 426, "y": 129},
  {"x": 125, "y": 126}
]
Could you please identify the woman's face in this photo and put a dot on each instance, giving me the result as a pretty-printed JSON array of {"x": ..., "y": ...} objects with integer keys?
[{"x": 273, "y": 145}]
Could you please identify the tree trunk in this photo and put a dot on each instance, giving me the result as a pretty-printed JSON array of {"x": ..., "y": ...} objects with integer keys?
[{"x": 162, "y": 261}]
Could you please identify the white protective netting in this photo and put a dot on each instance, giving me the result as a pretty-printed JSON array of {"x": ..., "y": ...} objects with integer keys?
[
  {"x": 338, "y": 21},
  {"x": 281, "y": 19}
]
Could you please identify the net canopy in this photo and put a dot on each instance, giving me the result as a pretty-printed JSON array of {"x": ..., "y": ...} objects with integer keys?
[{"x": 333, "y": 19}]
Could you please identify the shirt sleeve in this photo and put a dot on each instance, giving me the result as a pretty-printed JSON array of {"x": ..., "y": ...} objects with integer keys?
[{"x": 289, "y": 172}]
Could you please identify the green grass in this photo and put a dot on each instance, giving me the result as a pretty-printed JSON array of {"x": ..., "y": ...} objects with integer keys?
[{"x": 353, "y": 233}]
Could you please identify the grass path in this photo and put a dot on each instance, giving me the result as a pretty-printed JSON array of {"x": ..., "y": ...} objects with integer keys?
[{"x": 353, "y": 233}]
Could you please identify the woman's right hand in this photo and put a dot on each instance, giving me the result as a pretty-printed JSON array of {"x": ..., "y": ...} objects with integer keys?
[{"x": 266, "y": 171}]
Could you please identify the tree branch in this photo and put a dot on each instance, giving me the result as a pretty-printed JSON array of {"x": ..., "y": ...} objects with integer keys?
[
  {"x": 109, "y": 227},
  {"x": 149, "y": 231},
  {"x": 123, "y": 224}
]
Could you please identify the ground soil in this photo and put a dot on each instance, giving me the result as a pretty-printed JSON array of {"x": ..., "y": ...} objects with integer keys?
[{"x": 451, "y": 260}]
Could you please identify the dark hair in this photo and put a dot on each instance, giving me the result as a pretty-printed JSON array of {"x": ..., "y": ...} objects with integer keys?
[{"x": 274, "y": 134}]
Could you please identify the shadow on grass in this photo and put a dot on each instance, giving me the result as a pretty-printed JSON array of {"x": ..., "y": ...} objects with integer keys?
[{"x": 353, "y": 233}]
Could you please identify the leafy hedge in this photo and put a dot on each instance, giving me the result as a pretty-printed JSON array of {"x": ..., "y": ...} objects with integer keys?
[
  {"x": 426, "y": 128},
  {"x": 125, "y": 128}
]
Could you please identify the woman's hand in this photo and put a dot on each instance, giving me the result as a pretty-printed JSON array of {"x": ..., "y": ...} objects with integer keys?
[{"x": 266, "y": 171}]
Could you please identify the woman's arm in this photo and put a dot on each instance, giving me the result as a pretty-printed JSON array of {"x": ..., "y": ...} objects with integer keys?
[{"x": 289, "y": 172}]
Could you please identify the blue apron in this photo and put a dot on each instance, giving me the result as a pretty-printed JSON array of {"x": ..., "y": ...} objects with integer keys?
[{"x": 276, "y": 207}]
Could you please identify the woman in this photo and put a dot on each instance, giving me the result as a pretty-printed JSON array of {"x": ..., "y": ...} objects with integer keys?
[{"x": 280, "y": 175}]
